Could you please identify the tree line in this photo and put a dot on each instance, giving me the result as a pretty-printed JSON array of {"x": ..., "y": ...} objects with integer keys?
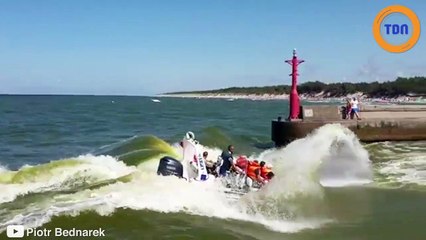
[{"x": 413, "y": 86}]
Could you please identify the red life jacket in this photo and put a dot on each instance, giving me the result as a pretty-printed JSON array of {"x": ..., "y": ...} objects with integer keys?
[{"x": 242, "y": 163}]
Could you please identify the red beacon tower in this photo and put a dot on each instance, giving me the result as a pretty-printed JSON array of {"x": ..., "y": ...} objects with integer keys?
[
  {"x": 283, "y": 132},
  {"x": 294, "y": 96}
]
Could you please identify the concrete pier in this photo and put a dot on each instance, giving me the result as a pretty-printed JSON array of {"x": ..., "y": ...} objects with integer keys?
[{"x": 378, "y": 123}]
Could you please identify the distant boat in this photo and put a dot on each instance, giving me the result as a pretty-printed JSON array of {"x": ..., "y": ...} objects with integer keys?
[
  {"x": 155, "y": 100},
  {"x": 230, "y": 99}
]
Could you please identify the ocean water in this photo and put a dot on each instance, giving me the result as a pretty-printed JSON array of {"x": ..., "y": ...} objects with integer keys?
[{"x": 87, "y": 162}]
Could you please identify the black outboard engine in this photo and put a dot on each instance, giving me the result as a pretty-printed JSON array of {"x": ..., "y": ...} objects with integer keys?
[{"x": 170, "y": 166}]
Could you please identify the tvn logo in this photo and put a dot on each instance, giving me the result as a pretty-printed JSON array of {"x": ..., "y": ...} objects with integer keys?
[
  {"x": 15, "y": 231},
  {"x": 396, "y": 29}
]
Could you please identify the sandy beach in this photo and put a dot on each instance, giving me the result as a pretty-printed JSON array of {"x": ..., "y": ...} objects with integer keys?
[{"x": 228, "y": 96}]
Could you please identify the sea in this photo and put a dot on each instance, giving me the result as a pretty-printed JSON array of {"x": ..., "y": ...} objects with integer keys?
[{"x": 90, "y": 162}]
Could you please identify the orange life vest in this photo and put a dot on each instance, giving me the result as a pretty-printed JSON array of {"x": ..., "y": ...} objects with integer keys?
[
  {"x": 251, "y": 169},
  {"x": 264, "y": 172}
]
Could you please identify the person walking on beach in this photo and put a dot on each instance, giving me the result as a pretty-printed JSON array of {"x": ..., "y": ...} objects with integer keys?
[{"x": 355, "y": 108}]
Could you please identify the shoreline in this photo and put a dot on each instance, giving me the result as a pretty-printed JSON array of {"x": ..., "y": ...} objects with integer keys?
[
  {"x": 314, "y": 99},
  {"x": 227, "y": 96}
]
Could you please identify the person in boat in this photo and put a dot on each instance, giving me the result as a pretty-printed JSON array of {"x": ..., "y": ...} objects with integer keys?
[
  {"x": 194, "y": 164},
  {"x": 259, "y": 173},
  {"x": 227, "y": 161},
  {"x": 210, "y": 165},
  {"x": 241, "y": 164},
  {"x": 265, "y": 172},
  {"x": 255, "y": 171}
]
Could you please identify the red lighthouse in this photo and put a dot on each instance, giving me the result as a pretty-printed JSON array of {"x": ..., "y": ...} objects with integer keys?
[{"x": 294, "y": 96}]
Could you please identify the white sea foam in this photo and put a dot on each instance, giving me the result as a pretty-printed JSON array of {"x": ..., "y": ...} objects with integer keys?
[
  {"x": 400, "y": 163},
  {"x": 410, "y": 169},
  {"x": 91, "y": 169},
  {"x": 162, "y": 194}
]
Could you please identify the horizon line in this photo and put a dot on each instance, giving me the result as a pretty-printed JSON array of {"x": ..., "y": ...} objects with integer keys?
[{"x": 77, "y": 95}]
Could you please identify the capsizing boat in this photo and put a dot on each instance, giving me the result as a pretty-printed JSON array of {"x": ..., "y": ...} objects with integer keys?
[{"x": 192, "y": 167}]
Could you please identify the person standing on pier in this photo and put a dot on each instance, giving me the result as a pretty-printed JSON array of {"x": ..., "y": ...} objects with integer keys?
[
  {"x": 348, "y": 108},
  {"x": 355, "y": 108}
]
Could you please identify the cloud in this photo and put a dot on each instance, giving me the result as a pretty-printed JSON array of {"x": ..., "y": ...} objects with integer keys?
[
  {"x": 416, "y": 69},
  {"x": 372, "y": 71},
  {"x": 401, "y": 74}
]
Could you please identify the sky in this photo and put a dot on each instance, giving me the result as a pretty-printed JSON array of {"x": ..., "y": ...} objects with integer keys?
[{"x": 150, "y": 47}]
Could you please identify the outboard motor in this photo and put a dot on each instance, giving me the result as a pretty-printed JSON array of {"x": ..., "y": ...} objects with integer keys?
[{"x": 170, "y": 166}]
